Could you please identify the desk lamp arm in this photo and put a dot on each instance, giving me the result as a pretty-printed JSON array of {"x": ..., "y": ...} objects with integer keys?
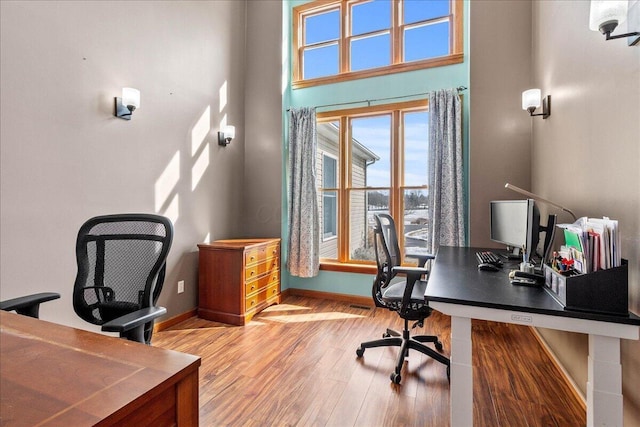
[{"x": 539, "y": 198}]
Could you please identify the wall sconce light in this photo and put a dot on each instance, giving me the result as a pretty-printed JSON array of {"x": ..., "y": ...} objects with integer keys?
[
  {"x": 606, "y": 15},
  {"x": 225, "y": 136},
  {"x": 126, "y": 105},
  {"x": 531, "y": 101}
]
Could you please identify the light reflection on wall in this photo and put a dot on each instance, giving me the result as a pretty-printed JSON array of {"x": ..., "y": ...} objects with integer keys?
[
  {"x": 200, "y": 147},
  {"x": 200, "y": 131},
  {"x": 223, "y": 94},
  {"x": 165, "y": 187}
]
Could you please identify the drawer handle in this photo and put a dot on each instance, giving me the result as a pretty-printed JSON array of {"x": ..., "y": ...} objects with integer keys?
[
  {"x": 252, "y": 258},
  {"x": 252, "y": 273},
  {"x": 253, "y": 302},
  {"x": 252, "y": 287}
]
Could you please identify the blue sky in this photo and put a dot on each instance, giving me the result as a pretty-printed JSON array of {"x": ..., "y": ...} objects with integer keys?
[
  {"x": 423, "y": 40},
  {"x": 368, "y": 48},
  {"x": 375, "y": 134}
]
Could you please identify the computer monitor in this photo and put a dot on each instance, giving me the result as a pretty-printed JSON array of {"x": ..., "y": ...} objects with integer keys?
[{"x": 516, "y": 223}]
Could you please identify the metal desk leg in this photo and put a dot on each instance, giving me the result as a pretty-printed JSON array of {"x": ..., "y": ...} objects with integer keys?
[
  {"x": 604, "y": 384},
  {"x": 461, "y": 391}
]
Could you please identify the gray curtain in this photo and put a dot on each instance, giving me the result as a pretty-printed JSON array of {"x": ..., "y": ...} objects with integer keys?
[
  {"x": 304, "y": 226},
  {"x": 446, "y": 193}
]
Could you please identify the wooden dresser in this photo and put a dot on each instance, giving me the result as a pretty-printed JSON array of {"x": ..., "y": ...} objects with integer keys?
[{"x": 238, "y": 278}]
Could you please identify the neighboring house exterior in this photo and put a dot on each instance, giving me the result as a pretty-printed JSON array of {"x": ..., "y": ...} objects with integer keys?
[{"x": 327, "y": 178}]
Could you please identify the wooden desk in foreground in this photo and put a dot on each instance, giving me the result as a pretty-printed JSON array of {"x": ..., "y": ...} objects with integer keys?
[{"x": 54, "y": 375}]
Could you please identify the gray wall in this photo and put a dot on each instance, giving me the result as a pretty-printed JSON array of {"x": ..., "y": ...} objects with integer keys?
[
  {"x": 262, "y": 194},
  {"x": 500, "y": 131},
  {"x": 591, "y": 143},
  {"x": 65, "y": 157}
]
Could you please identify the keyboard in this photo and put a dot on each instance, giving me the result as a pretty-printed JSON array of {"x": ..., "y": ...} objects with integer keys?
[{"x": 487, "y": 257}]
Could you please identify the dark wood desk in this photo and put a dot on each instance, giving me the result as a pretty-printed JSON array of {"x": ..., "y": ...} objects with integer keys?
[
  {"x": 54, "y": 375},
  {"x": 456, "y": 287}
]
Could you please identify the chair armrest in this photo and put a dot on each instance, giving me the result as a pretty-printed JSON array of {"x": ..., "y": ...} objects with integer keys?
[
  {"x": 134, "y": 320},
  {"x": 413, "y": 276},
  {"x": 413, "y": 273},
  {"x": 419, "y": 253},
  {"x": 28, "y": 305}
]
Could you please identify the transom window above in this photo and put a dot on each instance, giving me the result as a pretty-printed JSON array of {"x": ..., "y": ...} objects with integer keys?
[{"x": 348, "y": 39}]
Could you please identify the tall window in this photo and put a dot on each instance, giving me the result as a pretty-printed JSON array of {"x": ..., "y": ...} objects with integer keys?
[
  {"x": 329, "y": 197},
  {"x": 373, "y": 159},
  {"x": 348, "y": 39}
]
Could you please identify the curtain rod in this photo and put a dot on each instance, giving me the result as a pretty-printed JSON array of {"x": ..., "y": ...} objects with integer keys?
[{"x": 369, "y": 101}]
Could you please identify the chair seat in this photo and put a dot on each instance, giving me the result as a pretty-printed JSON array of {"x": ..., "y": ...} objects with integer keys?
[
  {"x": 395, "y": 292},
  {"x": 392, "y": 297},
  {"x": 111, "y": 310}
]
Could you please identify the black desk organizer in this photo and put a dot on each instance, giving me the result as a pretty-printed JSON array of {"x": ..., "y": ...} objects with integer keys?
[{"x": 604, "y": 291}]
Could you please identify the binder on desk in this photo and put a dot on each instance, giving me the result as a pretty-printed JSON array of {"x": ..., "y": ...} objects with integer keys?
[
  {"x": 572, "y": 238},
  {"x": 596, "y": 242}
]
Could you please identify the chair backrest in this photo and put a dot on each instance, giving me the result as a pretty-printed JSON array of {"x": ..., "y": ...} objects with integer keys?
[
  {"x": 387, "y": 254},
  {"x": 121, "y": 265}
]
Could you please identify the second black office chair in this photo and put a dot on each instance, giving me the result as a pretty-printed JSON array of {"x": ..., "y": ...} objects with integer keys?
[
  {"x": 404, "y": 297},
  {"x": 121, "y": 268}
]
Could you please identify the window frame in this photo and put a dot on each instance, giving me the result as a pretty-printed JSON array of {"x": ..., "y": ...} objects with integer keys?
[
  {"x": 397, "y": 65},
  {"x": 345, "y": 183},
  {"x": 334, "y": 236}
]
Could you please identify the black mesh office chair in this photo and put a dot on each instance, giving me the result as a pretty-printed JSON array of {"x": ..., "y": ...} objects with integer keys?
[
  {"x": 405, "y": 297},
  {"x": 121, "y": 268}
]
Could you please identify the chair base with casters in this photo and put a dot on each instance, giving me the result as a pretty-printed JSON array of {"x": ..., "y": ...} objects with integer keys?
[
  {"x": 28, "y": 305},
  {"x": 406, "y": 342}
]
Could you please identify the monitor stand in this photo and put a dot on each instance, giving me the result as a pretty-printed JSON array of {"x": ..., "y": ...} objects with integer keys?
[{"x": 514, "y": 253}]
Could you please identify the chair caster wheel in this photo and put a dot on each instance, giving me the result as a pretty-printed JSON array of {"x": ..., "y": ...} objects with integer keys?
[
  {"x": 359, "y": 351},
  {"x": 439, "y": 346},
  {"x": 395, "y": 378}
]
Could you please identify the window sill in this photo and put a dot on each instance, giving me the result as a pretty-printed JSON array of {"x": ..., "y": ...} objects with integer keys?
[{"x": 348, "y": 268}]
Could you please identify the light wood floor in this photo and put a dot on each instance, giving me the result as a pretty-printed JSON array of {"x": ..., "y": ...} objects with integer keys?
[{"x": 295, "y": 364}]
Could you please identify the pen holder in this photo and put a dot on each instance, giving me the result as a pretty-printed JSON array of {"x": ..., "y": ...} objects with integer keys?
[{"x": 603, "y": 291}]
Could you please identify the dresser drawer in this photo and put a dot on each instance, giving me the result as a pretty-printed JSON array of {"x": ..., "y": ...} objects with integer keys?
[
  {"x": 257, "y": 299},
  {"x": 261, "y": 253},
  {"x": 254, "y": 271},
  {"x": 262, "y": 282}
]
